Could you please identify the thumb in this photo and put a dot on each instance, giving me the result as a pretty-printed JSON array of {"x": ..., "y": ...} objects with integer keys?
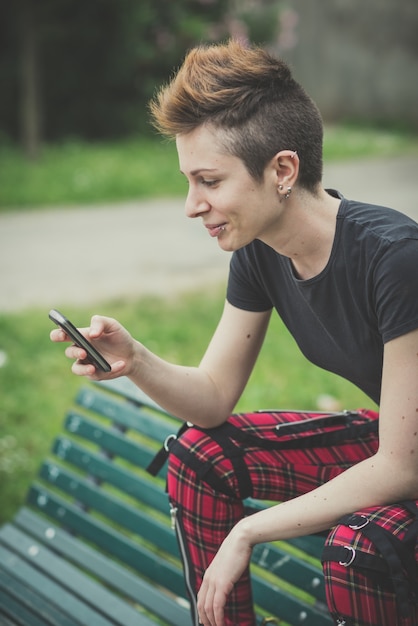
[{"x": 97, "y": 326}]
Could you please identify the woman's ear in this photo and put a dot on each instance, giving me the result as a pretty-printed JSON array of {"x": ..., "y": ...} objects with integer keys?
[{"x": 286, "y": 167}]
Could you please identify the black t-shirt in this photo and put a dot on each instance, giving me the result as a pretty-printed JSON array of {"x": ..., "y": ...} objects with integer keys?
[{"x": 366, "y": 295}]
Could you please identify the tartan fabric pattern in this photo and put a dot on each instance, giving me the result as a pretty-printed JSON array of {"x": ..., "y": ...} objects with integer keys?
[
  {"x": 366, "y": 598},
  {"x": 206, "y": 515}
]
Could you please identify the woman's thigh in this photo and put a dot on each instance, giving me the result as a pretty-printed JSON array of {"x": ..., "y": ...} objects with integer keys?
[{"x": 274, "y": 471}]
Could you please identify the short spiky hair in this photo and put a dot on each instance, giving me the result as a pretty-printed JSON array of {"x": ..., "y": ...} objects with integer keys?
[{"x": 250, "y": 95}]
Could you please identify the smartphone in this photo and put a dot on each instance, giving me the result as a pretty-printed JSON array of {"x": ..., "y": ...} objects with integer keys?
[{"x": 94, "y": 356}]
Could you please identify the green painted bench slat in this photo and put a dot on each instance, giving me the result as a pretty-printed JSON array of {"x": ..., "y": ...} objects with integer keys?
[
  {"x": 133, "y": 519},
  {"x": 311, "y": 544},
  {"x": 110, "y": 440},
  {"x": 27, "y": 572},
  {"x": 137, "y": 556},
  {"x": 98, "y": 466},
  {"x": 295, "y": 571},
  {"x": 91, "y": 595},
  {"x": 288, "y": 607},
  {"x": 143, "y": 488},
  {"x": 94, "y": 599},
  {"x": 98, "y": 564},
  {"x": 10, "y": 605},
  {"x": 139, "y": 418},
  {"x": 13, "y": 593},
  {"x": 5, "y": 620}
]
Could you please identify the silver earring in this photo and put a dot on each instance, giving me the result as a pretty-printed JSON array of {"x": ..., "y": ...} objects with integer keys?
[{"x": 288, "y": 192}]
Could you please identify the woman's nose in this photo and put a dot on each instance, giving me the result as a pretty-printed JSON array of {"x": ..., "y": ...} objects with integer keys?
[{"x": 196, "y": 204}]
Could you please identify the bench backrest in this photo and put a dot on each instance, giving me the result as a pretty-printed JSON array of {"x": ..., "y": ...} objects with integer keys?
[{"x": 96, "y": 490}]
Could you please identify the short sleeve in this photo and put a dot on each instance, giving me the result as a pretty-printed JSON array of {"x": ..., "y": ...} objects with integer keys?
[
  {"x": 245, "y": 285},
  {"x": 396, "y": 289}
]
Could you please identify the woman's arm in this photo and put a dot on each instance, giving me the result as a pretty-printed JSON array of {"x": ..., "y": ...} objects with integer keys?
[
  {"x": 207, "y": 395},
  {"x": 204, "y": 395},
  {"x": 387, "y": 477}
]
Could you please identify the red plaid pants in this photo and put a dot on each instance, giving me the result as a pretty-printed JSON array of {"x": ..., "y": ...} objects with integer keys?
[{"x": 205, "y": 486}]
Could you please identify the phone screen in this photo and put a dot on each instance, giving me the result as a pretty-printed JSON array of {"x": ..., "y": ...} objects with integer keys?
[{"x": 94, "y": 356}]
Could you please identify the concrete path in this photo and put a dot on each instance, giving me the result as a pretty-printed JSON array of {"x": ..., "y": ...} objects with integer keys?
[{"x": 84, "y": 255}]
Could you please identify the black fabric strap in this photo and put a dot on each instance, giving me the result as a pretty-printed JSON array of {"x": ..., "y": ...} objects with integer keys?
[
  {"x": 344, "y": 556},
  {"x": 236, "y": 455},
  {"x": 316, "y": 421},
  {"x": 228, "y": 430},
  {"x": 204, "y": 471},
  {"x": 162, "y": 455},
  {"x": 352, "y": 431}
]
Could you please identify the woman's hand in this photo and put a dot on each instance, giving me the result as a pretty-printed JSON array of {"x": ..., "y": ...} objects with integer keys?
[
  {"x": 110, "y": 338},
  {"x": 230, "y": 562}
]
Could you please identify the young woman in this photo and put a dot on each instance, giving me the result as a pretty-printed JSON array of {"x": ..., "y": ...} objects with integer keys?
[{"x": 343, "y": 277}]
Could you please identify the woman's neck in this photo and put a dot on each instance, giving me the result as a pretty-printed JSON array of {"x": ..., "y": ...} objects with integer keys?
[{"x": 306, "y": 231}]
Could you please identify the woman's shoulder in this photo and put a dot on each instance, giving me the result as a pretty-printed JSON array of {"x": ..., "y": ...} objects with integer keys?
[{"x": 382, "y": 222}]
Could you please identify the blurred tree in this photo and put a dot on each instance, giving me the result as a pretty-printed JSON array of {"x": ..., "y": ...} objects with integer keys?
[
  {"x": 9, "y": 70},
  {"x": 258, "y": 19},
  {"x": 29, "y": 74},
  {"x": 99, "y": 61},
  {"x": 88, "y": 69}
]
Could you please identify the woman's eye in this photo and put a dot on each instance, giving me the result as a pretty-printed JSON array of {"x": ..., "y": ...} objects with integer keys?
[{"x": 209, "y": 183}]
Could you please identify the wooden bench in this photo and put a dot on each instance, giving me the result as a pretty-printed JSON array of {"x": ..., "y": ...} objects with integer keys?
[{"x": 93, "y": 545}]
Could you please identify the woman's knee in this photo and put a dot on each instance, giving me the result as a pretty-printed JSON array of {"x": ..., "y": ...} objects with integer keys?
[
  {"x": 201, "y": 459},
  {"x": 344, "y": 585},
  {"x": 359, "y": 587}
]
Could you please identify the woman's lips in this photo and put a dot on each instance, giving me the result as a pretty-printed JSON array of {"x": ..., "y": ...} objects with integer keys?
[{"x": 214, "y": 230}]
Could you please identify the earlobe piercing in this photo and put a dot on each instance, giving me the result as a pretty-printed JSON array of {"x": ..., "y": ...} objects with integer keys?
[{"x": 286, "y": 196}]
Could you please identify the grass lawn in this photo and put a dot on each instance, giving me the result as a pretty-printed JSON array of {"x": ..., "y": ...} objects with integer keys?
[{"x": 75, "y": 173}]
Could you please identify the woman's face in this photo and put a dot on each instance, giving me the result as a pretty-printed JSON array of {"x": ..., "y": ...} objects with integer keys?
[{"x": 234, "y": 207}]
